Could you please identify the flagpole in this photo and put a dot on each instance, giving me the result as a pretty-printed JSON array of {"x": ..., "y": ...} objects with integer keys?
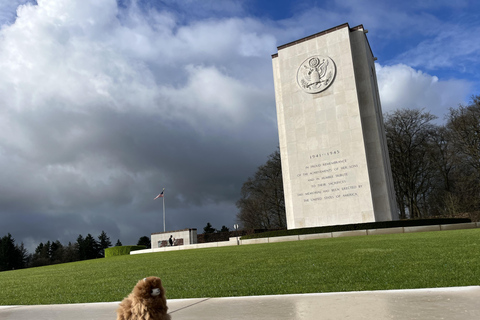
[
  {"x": 162, "y": 195},
  {"x": 163, "y": 213}
]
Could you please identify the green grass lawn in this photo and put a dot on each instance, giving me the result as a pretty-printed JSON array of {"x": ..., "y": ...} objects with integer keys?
[{"x": 399, "y": 261}]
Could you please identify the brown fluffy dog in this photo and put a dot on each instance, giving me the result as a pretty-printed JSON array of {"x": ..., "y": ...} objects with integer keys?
[{"x": 146, "y": 302}]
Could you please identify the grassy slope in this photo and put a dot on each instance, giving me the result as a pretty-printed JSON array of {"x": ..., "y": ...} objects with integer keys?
[{"x": 400, "y": 261}]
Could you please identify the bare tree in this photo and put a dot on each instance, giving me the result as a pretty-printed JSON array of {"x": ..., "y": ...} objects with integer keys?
[
  {"x": 410, "y": 138},
  {"x": 262, "y": 203},
  {"x": 463, "y": 124},
  {"x": 443, "y": 200}
]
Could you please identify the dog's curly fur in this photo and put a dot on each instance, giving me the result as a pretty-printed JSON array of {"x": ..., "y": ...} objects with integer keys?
[{"x": 146, "y": 302}]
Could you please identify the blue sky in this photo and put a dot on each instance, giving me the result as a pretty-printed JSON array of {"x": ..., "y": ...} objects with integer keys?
[{"x": 105, "y": 103}]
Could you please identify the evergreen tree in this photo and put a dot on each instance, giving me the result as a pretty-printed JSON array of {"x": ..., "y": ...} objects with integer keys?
[
  {"x": 11, "y": 256},
  {"x": 119, "y": 243},
  {"x": 70, "y": 252},
  {"x": 81, "y": 251},
  {"x": 104, "y": 243},
  {"x": 91, "y": 247},
  {"x": 24, "y": 256},
  {"x": 144, "y": 241},
  {"x": 56, "y": 252},
  {"x": 47, "y": 251},
  {"x": 224, "y": 229},
  {"x": 41, "y": 257},
  {"x": 208, "y": 228}
]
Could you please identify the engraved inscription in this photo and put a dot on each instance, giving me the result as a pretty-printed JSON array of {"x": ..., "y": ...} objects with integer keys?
[{"x": 329, "y": 180}]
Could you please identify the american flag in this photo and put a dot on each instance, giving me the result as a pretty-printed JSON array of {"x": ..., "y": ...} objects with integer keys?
[{"x": 160, "y": 195}]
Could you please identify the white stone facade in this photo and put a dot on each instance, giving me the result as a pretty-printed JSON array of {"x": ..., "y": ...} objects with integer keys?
[
  {"x": 182, "y": 237},
  {"x": 334, "y": 156}
]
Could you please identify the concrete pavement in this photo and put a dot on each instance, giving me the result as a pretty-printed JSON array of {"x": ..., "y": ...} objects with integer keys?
[{"x": 460, "y": 303}]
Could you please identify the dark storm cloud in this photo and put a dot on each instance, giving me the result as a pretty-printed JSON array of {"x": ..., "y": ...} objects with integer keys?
[{"x": 95, "y": 126}]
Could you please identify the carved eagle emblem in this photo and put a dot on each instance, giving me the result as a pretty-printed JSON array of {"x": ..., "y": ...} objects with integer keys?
[{"x": 315, "y": 74}]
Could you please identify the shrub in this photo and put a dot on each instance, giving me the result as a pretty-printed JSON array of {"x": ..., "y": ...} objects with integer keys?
[
  {"x": 121, "y": 250},
  {"x": 357, "y": 226}
]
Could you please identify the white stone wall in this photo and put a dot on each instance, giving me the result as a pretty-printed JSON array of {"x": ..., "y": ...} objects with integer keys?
[
  {"x": 383, "y": 193},
  {"x": 324, "y": 137},
  {"x": 233, "y": 240},
  {"x": 189, "y": 236}
]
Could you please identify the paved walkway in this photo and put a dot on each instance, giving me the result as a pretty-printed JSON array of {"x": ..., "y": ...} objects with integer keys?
[{"x": 461, "y": 303}]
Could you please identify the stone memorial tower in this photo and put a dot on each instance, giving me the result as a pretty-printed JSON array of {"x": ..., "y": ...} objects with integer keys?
[{"x": 333, "y": 148}]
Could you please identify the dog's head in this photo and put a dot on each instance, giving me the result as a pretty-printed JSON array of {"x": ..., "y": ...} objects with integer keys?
[{"x": 151, "y": 292}]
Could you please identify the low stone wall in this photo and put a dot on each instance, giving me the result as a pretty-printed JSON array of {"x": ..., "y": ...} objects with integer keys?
[
  {"x": 180, "y": 238},
  {"x": 233, "y": 240}
]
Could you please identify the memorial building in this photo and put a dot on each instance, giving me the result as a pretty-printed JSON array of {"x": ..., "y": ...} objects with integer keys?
[{"x": 333, "y": 148}]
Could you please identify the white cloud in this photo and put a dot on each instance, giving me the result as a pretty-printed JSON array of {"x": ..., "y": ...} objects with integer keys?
[
  {"x": 213, "y": 98},
  {"x": 452, "y": 47},
  {"x": 401, "y": 86}
]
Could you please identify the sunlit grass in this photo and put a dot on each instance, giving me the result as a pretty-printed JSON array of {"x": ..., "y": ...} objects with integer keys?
[{"x": 399, "y": 261}]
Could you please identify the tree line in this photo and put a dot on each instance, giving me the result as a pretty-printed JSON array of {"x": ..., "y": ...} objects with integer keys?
[
  {"x": 435, "y": 168},
  {"x": 14, "y": 256},
  {"x": 210, "y": 234}
]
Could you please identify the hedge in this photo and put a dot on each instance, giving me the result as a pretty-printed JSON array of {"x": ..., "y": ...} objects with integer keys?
[
  {"x": 121, "y": 250},
  {"x": 358, "y": 226}
]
